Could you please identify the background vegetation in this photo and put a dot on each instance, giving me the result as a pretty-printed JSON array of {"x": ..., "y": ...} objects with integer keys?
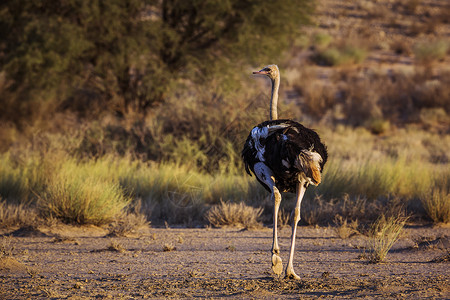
[{"x": 143, "y": 107}]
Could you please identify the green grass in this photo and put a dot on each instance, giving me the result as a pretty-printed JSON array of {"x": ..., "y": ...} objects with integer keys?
[
  {"x": 19, "y": 177},
  {"x": 362, "y": 172},
  {"x": 82, "y": 194},
  {"x": 337, "y": 56},
  {"x": 427, "y": 52},
  {"x": 437, "y": 204},
  {"x": 379, "y": 177},
  {"x": 179, "y": 194}
]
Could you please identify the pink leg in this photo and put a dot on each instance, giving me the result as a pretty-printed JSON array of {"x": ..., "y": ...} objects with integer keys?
[
  {"x": 265, "y": 175},
  {"x": 296, "y": 217}
]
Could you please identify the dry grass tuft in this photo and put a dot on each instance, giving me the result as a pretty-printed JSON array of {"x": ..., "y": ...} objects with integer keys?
[
  {"x": 437, "y": 205},
  {"x": 231, "y": 248},
  {"x": 6, "y": 247},
  {"x": 16, "y": 215},
  {"x": 128, "y": 222},
  {"x": 442, "y": 258},
  {"x": 384, "y": 232},
  {"x": 315, "y": 211},
  {"x": 180, "y": 239},
  {"x": 378, "y": 125},
  {"x": 431, "y": 242},
  {"x": 76, "y": 194},
  {"x": 283, "y": 218},
  {"x": 234, "y": 214},
  {"x": 428, "y": 52},
  {"x": 343, "y": 229},
  {"x": 342, "y": 55},
  {"x": 116, "y": 247},
  {"x": 169, "y": 247},
  {"x": 320, "y": 211}
]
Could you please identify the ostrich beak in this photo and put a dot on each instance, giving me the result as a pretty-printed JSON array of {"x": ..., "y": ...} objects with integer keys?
[{"x": 261, "y": 72}]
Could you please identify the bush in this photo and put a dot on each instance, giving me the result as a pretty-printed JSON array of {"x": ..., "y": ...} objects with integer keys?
[
  {"x": 76, "y": 194},
  {"x": 20, "y": 177},
  {"x": 234, "y": 214},
  {"x": 428, "y": 52},
  {"x": 383, "y": 234},
  {"x": 122, "y": 56},
  {"x": 16, "y": 214},
  {"x": 337, "y": 56},
  {"x": 437, "y": 205}
]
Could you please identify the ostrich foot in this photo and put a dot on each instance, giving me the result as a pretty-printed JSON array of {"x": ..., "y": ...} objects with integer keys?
[
  {"x": 277, "y": 264},
  {"x": 290, "y": 274}
]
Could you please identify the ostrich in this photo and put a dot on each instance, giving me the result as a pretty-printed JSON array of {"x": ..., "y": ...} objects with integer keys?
[{"x": 285, "y": 156}]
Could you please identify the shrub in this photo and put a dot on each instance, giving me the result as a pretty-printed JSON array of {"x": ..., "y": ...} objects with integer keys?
[
  {"x": 437, "y": 205},
  {"x": 123, "y": 55},
  {"x": 78, "y": 195},
  {"x": 428, "y": 52},
  {"x": 284, "y": 217},
  {"x": 378, "y": 126},
  {"x": 6, "y": 246},
  {"x": 19, "y": 177},
  {"x": 343, "y": 229},
  {"x": 383, "y": 234},
  {"x": 127, "y": 223},
  {"x": 234, "y": 214},
  {"x": 322, "y": 40},
  {"x": 337, "y": 56},
  {"x": 16, "y": 214}
]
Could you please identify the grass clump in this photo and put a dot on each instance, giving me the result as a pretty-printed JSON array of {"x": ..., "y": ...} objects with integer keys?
[
  {"x": 283, "y": 218},
  {"x": 337, "y": 56},
  {"x": 234, "y": 214},
  {"x": 428, "y": 52},
  {"x": 116, "y": 247},
  {"x": 16, "y": 214},
  {"x": 384, "y": 232},
  {"x": 378, "y": 126},
  {"x": 75, "y": 194},
  {"x": 344, "y": 229},
  {"x": 169, "y": 247},
  {"x": 437, "y": 205},
  {"x": 127, "y": 223},
  {"x": 6, "y": 247},
  {"x": 19, "y": 176},
  {"x": 322, "y": 40}
]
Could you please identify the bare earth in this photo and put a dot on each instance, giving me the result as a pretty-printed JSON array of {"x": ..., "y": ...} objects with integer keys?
[{"x": 82, "y": 263}]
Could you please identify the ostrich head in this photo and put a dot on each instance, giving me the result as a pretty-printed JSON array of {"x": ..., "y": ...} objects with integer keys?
[
  {"x": 273, "y": 73},
  {"x": 270, "y": 71}
]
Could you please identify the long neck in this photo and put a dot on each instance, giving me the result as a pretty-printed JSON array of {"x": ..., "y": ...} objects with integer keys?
[{"x": 274, "y": 99}]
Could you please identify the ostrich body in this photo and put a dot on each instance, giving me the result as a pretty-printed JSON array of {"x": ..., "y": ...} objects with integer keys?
[{"x": 285, "y": 156}]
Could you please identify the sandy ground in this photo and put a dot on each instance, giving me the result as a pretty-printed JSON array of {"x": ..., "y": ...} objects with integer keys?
[{"x": 83, "y": 263}]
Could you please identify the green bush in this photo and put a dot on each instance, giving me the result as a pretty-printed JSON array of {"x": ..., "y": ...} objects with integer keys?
[
  {"x": 437, "y": 204},
  {"x": 122, "y": 56},
  {"x": 336, "y": 56},
  {"x": 79, "y": 194},
  {"x": 427, "y": 52}
]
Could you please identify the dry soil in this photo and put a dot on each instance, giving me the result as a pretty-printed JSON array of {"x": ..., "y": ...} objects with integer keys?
[{"x": 64, "y": 262}]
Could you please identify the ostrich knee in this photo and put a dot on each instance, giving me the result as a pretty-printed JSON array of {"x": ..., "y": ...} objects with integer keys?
[{"x": 296, "y": 215}]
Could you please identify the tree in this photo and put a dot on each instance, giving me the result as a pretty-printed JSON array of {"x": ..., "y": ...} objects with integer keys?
[{"x": 124, "y": 54}]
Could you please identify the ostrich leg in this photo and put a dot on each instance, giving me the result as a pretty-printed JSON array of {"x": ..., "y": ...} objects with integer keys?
[
  {"x": 265, "y": 175},
  {"x": 301, "y": 188},
  {"x": 277, "y": 264}
]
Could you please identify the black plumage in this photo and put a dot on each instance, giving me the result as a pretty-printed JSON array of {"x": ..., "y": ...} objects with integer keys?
[{"x": 286, "y": 144}]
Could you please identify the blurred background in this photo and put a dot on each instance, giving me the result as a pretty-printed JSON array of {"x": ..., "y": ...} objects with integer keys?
[{"x": 137, "y": 110}]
